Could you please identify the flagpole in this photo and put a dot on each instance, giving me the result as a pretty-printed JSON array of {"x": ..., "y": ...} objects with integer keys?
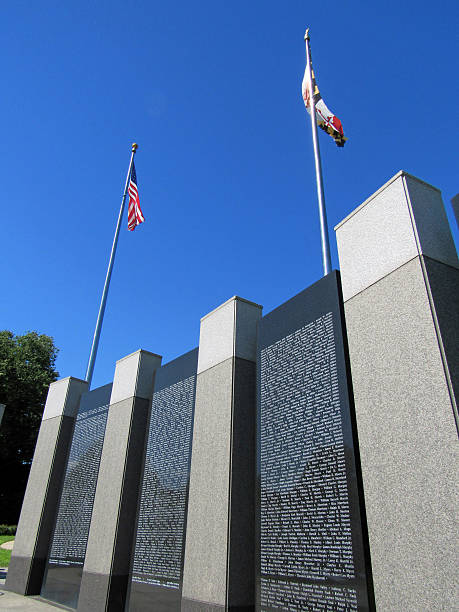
[
  {"x": 320, "y": 184},
  {"x": 103, "y": 301}
]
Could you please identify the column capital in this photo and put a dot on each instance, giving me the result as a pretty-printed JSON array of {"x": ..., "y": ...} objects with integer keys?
[
  {"x": 403, "y": 219},
  {"x": 64, "y": 397},
  {"x": 134, "y": 376},
  {"x": 230, "y": 330}
]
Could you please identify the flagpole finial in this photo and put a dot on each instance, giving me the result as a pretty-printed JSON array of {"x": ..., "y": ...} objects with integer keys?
[
  {"x": 135, "y": 146},
  {"x": 306, "y": 34}
]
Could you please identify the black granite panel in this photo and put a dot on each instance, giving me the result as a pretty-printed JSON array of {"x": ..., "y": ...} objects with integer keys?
[
  {"x": 62, "y": 584},
  {"x": 132, "y": 481},
  {"x": 68, "y": 546},
  {"x": 444, "y": 286},
  {"x": 312, "y": 551},
  {"x": 157, "y": 568},
  {"x": 52, "y": 495},
  {"x": 241, "y": 559}
]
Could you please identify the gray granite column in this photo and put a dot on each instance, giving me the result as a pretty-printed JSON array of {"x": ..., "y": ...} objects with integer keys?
[
  {"x": 38, "y": 514},
  {"x": 108, "y": 554},
  {"x": 219, "y": 549},
  {"x": 400, "y": 279}
]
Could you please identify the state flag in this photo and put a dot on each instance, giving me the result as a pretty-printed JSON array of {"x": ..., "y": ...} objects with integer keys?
[{"x": 326, "y": 120}]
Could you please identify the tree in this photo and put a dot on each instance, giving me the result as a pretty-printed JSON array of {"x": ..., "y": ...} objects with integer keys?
[{"x": 26, "y": 371}]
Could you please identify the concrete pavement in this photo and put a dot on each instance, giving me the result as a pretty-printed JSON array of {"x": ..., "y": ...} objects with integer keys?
[
  {"x": 19, "y": 603},
  {"x": 12, "y": 601}
]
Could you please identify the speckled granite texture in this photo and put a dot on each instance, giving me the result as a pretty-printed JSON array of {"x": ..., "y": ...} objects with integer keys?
[{"x": 404, "y": 403}]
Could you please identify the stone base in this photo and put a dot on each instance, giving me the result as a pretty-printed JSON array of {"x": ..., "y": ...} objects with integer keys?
[
  {"x": 102, "y": 592},
  {"x": 25, "y": 575},
  {"x": 191, "y": 605}
]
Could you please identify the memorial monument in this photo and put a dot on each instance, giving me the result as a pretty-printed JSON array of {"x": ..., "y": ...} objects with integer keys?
[
  {"x": 306, "y": 459},
  {"x": 312, "y": 537}
]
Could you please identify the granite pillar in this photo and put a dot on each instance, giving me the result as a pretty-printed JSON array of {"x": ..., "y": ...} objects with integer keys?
[
  {"x": 108, "y": 554},
  {"x": 36, "y": 523},
  {"x": 219, "y": 550},
  {"x": 400, "y": 280}
]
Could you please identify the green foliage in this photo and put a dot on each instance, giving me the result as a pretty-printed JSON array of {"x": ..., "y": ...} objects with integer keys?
[
  {"x": 5, "y": 555},
  {"x": 26, "y": 371},
  {"x": 7, "y": 530}
]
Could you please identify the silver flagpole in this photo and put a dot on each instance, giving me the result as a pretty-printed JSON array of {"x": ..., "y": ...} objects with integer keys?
[
  {"x": 103, "y": 301},
  {"x": 320, "y": 184}
]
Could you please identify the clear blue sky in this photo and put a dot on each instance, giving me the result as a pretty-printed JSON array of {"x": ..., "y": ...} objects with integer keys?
[{"x": 211, "y": 92}]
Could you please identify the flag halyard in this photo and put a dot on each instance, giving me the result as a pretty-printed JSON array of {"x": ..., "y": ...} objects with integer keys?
[
  {"x": 135, "y": 215},
  {"x": 326, "y": 120}
]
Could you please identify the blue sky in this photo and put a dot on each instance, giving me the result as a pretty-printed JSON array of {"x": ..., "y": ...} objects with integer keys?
[{"x": 211, "y": 92}]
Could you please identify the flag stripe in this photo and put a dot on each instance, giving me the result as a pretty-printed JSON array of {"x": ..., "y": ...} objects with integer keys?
[{"x": 135, "y": 215}]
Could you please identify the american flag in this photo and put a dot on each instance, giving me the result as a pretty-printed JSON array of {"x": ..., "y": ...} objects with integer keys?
[{"x": 135, "y": 216}]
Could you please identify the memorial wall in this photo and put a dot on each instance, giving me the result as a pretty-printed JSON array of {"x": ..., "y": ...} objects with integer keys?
[
  {"x": 312, "y": 549},
  {"x": 157, "y": 568},
  {"x": 311, "y": 544},
  {"x": 68, "y": 546},
  {"x": 311, "y": 538}
]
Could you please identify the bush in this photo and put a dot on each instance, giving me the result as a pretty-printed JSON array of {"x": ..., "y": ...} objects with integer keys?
[{"x": 8, "y": 529}]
